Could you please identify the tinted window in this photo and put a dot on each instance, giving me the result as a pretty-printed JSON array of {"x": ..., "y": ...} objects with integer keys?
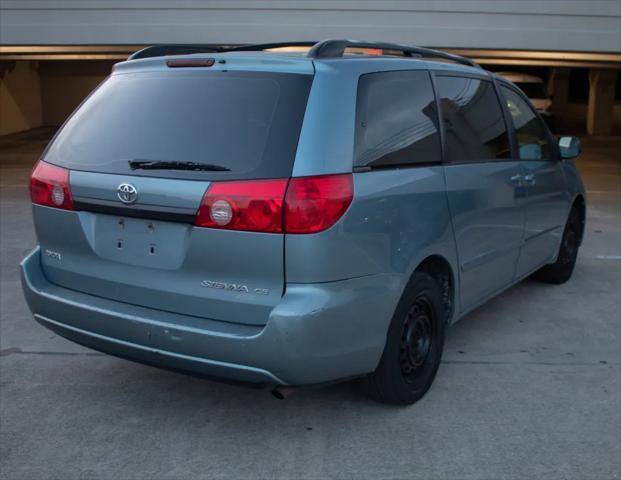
[
  {"x": 248, "y": 122},
  {"x": 473, "y": 122},
  {"x": 396, "y": 120},
  {"x": 530, "y": 132}
]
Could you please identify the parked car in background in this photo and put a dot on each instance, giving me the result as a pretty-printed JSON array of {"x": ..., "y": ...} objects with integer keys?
[
  {"x": 535, "y": 89},
  {"x": 296, "y": 219}
]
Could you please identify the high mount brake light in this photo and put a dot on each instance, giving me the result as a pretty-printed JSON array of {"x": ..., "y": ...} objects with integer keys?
[
  {"x": 299, "y": 205},
  {"x": 208, "y": 62},
  {"x": 49, "y": 186}
]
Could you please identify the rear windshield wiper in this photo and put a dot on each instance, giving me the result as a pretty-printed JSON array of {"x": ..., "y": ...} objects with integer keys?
[{"x": 163, "y": 165}]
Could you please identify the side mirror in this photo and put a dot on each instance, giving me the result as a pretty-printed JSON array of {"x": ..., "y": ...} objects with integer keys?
[{"x": 569, "y": 147}]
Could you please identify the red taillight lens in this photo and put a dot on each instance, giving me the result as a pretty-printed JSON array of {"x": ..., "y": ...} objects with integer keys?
[
  {"x": 254, "y": 205},
  {"x": 49, "y": 186},
  {"x": 310, "y": 205},
  {"x": 314, "y": 204}
]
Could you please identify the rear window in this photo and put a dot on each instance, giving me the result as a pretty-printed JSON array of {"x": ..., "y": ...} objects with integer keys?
[
  {"x": 396, "y": 120},
  {"x": 246, "y": 122}
]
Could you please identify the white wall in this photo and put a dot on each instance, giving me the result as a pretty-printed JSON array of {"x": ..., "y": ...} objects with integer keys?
[{"x": 571, "y": 25}]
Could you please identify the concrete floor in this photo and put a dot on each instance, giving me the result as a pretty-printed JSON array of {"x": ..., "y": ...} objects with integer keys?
[{"x": 530, "y": 385}]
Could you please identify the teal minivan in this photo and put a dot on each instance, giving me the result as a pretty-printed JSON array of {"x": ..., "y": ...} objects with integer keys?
[{"x": 290, "y": 218}]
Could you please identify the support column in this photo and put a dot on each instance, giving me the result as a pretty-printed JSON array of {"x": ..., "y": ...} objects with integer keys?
[
  {"x": 558, "y": 89},
  {"x": 600, "y": 114}
]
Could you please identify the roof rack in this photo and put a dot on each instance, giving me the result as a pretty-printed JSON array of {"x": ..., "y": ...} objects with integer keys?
[
  {"x": 336, "y": 49},
  {"x": 162, "y": 50},
  {"x": 318, "y": 50},
  {"x": 179, "y": 49},
  {"x": 267, "y": 46}
]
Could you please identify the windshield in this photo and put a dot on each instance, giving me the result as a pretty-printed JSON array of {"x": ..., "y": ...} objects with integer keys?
[
  {"x": 246, "y": 123},
  {"x": 533, "y": 89}
]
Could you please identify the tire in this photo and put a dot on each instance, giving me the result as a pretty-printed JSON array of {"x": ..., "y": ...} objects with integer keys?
[
  {"x": 414, "y": 345},
  {"x": 560, "y": 271}
]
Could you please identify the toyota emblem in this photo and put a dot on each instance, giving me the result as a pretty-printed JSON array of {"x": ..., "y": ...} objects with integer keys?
[{"x": 127, "y": 193}]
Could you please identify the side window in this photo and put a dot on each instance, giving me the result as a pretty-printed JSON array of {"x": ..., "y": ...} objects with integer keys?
[
  {"x": 529, "y": 130},
  {"x": 396, "y": 120},
  {"x": 474, "y": 125}
]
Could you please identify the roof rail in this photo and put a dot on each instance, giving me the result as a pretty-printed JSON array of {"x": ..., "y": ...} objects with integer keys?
[
  {"x": 323, "y": 49},
  {"x": 162, "y": 50},
  {"x": 336, "y": 49},
  {"x": 267, "y": 46}
]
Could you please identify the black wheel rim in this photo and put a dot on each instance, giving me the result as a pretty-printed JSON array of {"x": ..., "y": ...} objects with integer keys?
[{"x": 416, "y": 338}]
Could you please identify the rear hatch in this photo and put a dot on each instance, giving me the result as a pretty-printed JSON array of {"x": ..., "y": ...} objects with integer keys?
[{"x": 141, "y": 152}]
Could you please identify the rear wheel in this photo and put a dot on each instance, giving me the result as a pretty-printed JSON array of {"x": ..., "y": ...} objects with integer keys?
[
  {"x": 413, "y": 346},
  {"x": 561, "y": 270}
]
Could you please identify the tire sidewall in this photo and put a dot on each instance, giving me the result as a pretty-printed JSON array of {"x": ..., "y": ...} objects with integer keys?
[
  {"x": 389, "y": 368},
  {"x": 573, "y": 223},
  {"x": 559, "y": 272}
]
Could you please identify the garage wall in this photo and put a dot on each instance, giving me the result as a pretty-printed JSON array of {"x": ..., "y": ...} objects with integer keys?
[
  {"x": 65, "y": 84},
  {"x": 574, "y": 117},
  {"x": 20, "y": 97},
  {"x": 578, "y": 25},
  {"x": 35, "y": 94}
]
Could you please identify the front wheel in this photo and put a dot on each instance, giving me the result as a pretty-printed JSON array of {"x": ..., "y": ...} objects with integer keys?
[
  {"x": 561, "y": 270},
  {"x": 413, "y": 346}
]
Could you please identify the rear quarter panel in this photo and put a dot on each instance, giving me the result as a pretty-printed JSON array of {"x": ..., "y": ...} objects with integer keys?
[{"x": 397, "y": 218}]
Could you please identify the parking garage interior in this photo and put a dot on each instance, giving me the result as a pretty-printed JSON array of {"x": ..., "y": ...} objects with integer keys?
[
  {"x": 41, "y": 85},
  {"x": 530, "y": 383}
]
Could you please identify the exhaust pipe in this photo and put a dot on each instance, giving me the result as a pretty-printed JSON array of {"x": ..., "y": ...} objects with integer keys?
[{"x": 281, "y": 392}]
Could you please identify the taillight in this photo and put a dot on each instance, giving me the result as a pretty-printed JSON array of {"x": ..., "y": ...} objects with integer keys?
[
  {"x": 254, "y": 205},
  {"x": 49, "y": 186},
  {"x": 314, "y": 204},
  {"x": 310, "y": 204}
]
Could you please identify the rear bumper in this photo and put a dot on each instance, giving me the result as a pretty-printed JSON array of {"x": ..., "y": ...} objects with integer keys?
[{"x": 317, "y": 333}]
